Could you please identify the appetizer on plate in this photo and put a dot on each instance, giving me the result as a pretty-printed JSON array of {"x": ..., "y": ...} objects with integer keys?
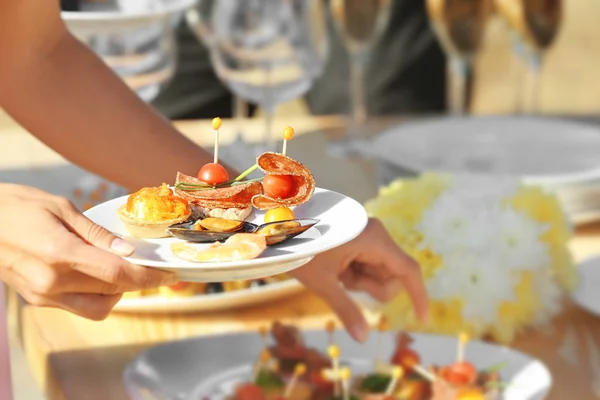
[
  {"x": 289, "y": 369},
  {"x": 213, "y": 209},
  {"x": 150, "y": 211},
  {"x": 190, "y": 289}
]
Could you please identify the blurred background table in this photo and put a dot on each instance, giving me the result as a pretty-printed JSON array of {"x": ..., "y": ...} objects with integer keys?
[{"x": 72, "y": 358}]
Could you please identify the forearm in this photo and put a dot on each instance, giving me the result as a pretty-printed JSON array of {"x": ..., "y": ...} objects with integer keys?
[{"x": 77, "y": 106}]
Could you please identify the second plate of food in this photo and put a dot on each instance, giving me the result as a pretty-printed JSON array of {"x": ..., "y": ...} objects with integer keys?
[{"x": 187, "y": 297}]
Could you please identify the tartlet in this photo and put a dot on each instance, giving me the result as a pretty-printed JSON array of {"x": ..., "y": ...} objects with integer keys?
[{"x": 150, "y": 211}]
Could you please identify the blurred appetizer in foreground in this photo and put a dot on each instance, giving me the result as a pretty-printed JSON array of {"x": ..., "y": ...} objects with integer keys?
[{"x": 289, "y": 369}]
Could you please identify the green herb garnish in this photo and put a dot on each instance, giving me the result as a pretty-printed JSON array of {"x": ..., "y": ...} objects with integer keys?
[
  {"x": 376, "y": 383},
  {"x": 268, "y": 380},
  {"x": 495, "y": 368},
  {"x": 194, "y": 187},
  {"x": 496, "y": 385}
]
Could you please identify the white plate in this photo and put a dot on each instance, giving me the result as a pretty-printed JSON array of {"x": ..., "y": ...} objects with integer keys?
[
  {"x": 545, "y": 151},
  {"x": 207, "y": 368},
  {"x": 341, "y": 220},
  {"x": 211, "y": 302},
  {"x": 586, "y": 295}
]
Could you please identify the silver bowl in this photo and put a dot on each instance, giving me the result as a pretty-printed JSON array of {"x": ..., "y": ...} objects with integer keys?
[{"x": 136, "y": 38}]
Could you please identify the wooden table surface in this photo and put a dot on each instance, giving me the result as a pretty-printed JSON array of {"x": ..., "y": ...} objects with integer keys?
[{"x": 73, "y": 358}]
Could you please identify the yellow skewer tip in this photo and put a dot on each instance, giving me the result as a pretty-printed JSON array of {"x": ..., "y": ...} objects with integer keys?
[
  {"x": 265, "y": 355},
  {"x": 333, "y": 351},
  {"x": 275, "y": 366},
  {"x": 288, "y": 133},
  {"x": 217, "y": 123},
  {"x": 300, "y": 369},
  {"x": 463, "y": 338},
  {"x": 384, "y": 324},
  {"x": 345, "y": 374},
  {"x": 397, "y": 372}
]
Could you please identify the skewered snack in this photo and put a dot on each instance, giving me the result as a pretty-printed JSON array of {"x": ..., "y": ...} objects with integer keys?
[{"x": 300, "y": 183}]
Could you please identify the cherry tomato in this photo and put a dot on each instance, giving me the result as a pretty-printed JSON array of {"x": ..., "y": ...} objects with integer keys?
[
  {"x": 278, "y": 186},
  {"x": 249, "y": 391},
  {"x": 179, "y": 286},
  {"x": 460, "y": 373},
  {"x": 317, "y": 379},
  {"x": 213, "y": 174},
  {"x": 470, "y": 394},
  {"x": 279, "y": 214}
]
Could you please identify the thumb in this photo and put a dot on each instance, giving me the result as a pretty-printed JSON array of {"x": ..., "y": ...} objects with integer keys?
[{"x": 94, "y": 234}]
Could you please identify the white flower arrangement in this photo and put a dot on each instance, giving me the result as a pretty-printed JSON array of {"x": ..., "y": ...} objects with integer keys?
[{"x": 493, "y": 251}]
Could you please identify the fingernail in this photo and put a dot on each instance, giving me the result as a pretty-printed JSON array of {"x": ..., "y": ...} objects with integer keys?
[
  {"x": 360, "y": 332},
  {"x": 121, "y": 247}
]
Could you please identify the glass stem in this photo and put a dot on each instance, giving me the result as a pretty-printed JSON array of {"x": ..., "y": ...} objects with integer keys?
[
  {"x": 519, "y": 56},
  {"x": 268, "y": 136},
  {"x": 533, "y": 82},
  {"x": 240, "y": 113},
  {"x": 460, "y": 69},
  {"x": 357, "y": 87},
  {"x": 269, "y": 110}
]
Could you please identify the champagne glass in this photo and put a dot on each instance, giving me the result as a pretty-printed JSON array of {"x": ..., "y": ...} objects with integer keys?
[
  {"x": 268, "y": 51},
  {"x": 459, "y": 26},
  {"x": 534, "y": 25},
  {"x": 359, "y": 24}
]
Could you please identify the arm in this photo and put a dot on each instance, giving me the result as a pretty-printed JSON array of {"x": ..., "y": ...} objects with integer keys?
[{"x": 57, "y": 89}]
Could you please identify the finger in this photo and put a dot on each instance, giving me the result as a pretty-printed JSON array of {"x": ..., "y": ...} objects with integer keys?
[
  {"x": 91, "y": 306},
  {"x": 381, "y": 290},
  {"x": 93, "y": 233},
  {"x": 409, "y": 273},
  {"x": 44, "y": 280},
  {"x": 340, "y": 302}
]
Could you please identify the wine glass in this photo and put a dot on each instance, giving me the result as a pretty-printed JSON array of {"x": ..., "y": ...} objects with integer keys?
[
  {"x": 268, "y": 51},
  {"x": 534, "y": 25},
  {"x": 459, "y": 26},
  {"x": 359, "y": 24},
  {"x": 199, "y": 19}
]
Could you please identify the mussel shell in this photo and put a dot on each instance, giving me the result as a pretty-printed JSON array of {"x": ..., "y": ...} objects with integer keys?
[
  {"x": 185, "y": 231},
  {"x": 287, "y": 232}
]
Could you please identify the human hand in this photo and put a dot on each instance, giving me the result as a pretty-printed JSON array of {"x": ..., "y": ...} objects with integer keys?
[
  {"x": 55, "y": 257},
  {"x": 371, "y": 263}
]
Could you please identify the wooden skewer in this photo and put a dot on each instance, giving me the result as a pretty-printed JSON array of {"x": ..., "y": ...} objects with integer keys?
[
  {"x": 263, "y": 360},
  {"x": 330, "y": 327},
  {"x": 334, "y": 353},
  {"x": 345, "y": 375},
  {"x": 382, "y": 327},
  {"x": 263, "y": 334},
  {"x": 463, "y": 338},
  {"x": 298, "y": 372},
  {"x": 397, "y": 373},
  {"x": 424, "y": 373},
  {"x": 216, "y": 125}
]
